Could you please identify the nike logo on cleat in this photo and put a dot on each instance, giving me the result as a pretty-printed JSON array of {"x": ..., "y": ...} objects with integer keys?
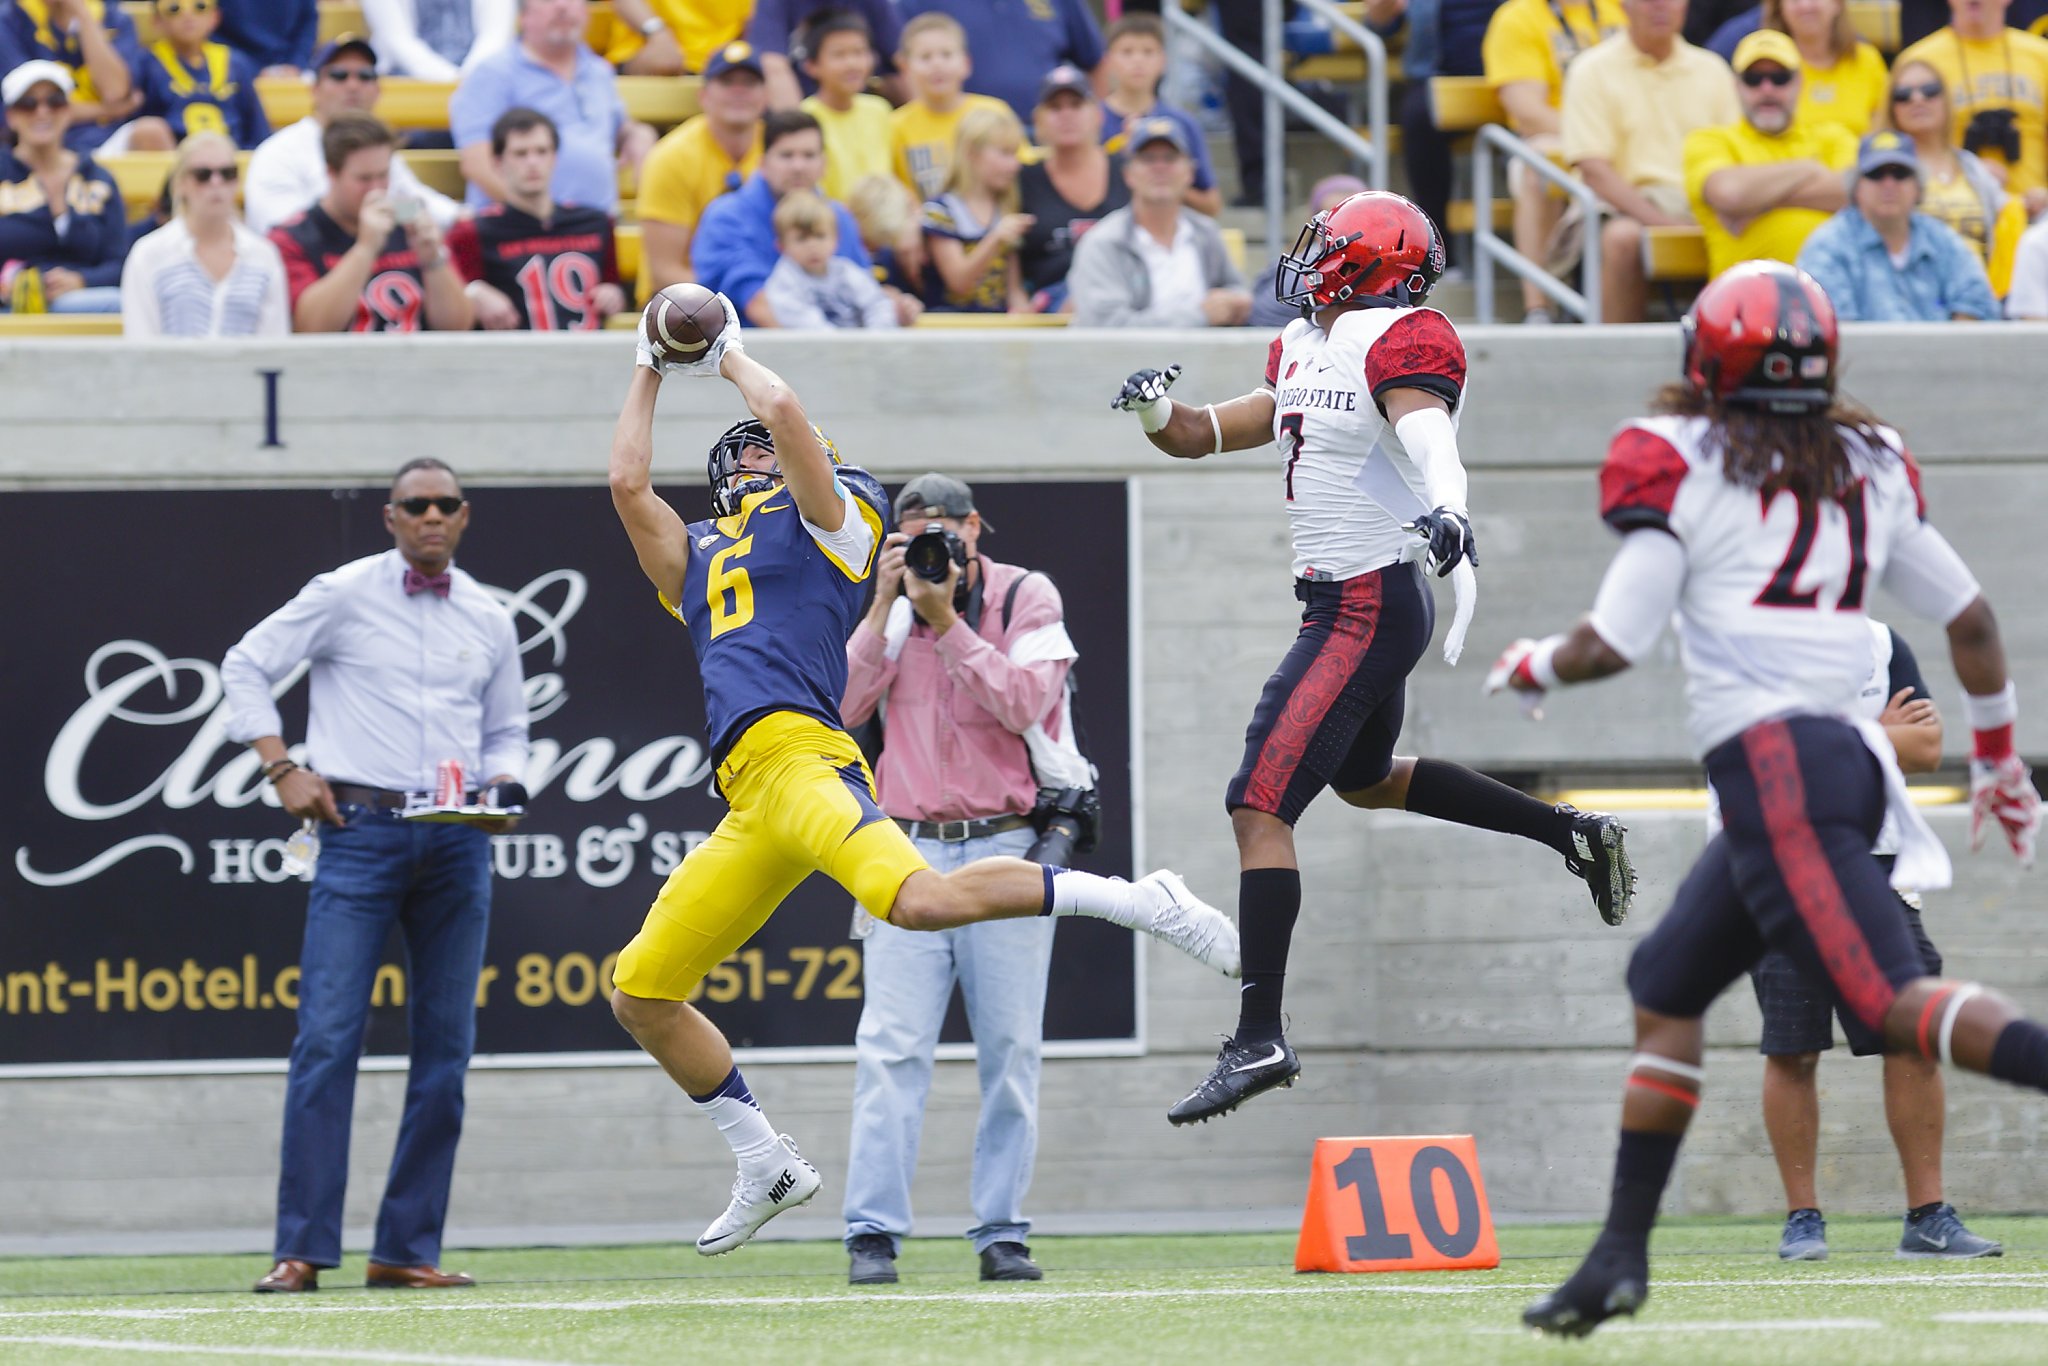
[
  {"x": 783, "y": 1184},
  {"x": 1278, "y": 1054},
  {"x": 1580, "y": 843}
]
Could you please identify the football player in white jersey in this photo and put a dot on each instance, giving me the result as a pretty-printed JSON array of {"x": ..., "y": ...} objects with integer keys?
[
  {"x": 1363, "y": 396},
  {"x": 1761, "y": 511}
]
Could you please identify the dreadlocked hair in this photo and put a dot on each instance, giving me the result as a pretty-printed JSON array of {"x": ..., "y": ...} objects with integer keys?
[{"x": 1807, "y": 453}]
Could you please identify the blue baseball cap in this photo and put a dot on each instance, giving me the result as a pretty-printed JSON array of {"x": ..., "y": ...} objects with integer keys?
[
  {"x": 1886, "y": 149},
  {"x": 1150, "y": 131},
  {"x": 340, "y": 43},
  {"x": 734, "y": 56}
]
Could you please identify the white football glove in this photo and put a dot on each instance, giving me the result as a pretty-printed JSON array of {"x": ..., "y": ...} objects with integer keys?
[
  {"x": 2003, "y": 791},
  {"x": 1522, "y": 668},
  {"x": 1144, "y": 393}
]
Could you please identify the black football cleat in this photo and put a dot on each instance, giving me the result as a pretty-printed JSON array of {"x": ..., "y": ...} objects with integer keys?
[
  {"x": 1601, "y": 858},
  {"x": 1607, "y": 1283},
  {"x": 1241, "y": 1072}
]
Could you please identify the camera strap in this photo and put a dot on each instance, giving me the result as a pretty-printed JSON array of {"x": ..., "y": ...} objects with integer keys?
[{"x": 2005, "y": 56}]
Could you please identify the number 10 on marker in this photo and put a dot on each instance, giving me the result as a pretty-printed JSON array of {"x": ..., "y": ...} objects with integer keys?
[{"x": 1396, "y": 1204}]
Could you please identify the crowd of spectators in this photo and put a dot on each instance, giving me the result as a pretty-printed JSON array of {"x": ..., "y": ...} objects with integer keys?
[{"x": 958, "y": 154}]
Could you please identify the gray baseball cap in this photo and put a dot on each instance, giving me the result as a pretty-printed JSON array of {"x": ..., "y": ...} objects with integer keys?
[{"x": 936, "y": 495}]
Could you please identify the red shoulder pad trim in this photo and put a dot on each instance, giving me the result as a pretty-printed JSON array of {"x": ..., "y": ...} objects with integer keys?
[
  {"x": 1639, "y": 481},
  {"x": 1420, "y": 351},
  {"x": 1273, "y": 364},
  {"x": 1913, "y": 478}
]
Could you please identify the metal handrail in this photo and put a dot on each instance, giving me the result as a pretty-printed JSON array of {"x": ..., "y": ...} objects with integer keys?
[
  {"x": 1375, "y": 78},
  {"x": 1279, "y": 93},
  {"x": 1490, "y": 247}
]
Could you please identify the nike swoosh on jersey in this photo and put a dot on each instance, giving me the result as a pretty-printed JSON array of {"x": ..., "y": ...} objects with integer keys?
[{"x": 1278, "y": 1054}]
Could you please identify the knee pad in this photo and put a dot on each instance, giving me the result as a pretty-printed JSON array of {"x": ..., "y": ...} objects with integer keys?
[{"x": 1935, "y": 1024}]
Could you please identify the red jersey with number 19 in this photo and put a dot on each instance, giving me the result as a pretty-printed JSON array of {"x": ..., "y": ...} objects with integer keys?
[
  {"x": 550, "y": 271},
  {"x": 395, "y": 299},
  {"x": 1349, "y": 483}
]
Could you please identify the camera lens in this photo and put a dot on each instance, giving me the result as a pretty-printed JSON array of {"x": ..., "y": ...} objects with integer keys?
[{"x": 928, "y": 556}]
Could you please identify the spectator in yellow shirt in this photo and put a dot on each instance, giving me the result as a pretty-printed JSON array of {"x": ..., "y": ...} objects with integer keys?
[
  {"x": 1955, "y": 187},
  {"x": 859, "y": 137},
  {"x": 935, "y": 64},
  {"x": 1628, "y": 104},
  {"x": 1844, "y": 79},
  {"x": 1998, "y": 77},
  {"x": 1759, "y": 186},
  {"x": 698, "y": 161},
  {"x": 669, "y": 37},
  {"x": 1528, "y": 45}
]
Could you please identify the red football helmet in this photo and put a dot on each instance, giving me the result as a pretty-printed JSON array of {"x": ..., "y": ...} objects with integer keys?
[
  {"x": 1763, "y": 335},
  {"x": 1375, "y": 247}
]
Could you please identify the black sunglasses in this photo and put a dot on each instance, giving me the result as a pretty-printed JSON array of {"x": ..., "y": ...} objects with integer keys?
[
  {"x": 417, "y": 507},
  {"x": 342, "y": 75},
  {"x": 1754, "y": 78},
  {"x": 28, "y": 104},
  {"x": 206, "y": 175},
  {"x": 178, "y": 7},
  {"x": 1929, "y": 90},
  {"x": 1888, "y": 173}
]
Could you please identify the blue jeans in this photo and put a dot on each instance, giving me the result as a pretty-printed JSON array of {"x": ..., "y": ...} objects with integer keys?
[
  {"x": 1001, "y": 966},
  {"x": 434, "y": 881}
]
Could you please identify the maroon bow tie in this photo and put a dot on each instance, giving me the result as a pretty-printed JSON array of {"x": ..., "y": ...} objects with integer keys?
[{"x": 416, "y": 582}]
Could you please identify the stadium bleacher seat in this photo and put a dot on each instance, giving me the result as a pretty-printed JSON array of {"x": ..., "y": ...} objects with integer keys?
[
  {"x": 626, "y": 239},
  {"x": 1461, "y": 105},
  {"x": 402, "y": 103},
  {"x": 13, "y": 325},
  {"x": 663, "y": 101},
  {"x": 1876, "y": 22},
  {"x": 439, "y": 168},
  {"x": 1233, "y": 243},
  {"x": 1674, "y": 254}
]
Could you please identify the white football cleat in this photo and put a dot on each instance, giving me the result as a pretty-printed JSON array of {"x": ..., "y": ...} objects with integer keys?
[
  {"x": 756, "y": 1200},
  {"x": 1191, "y": 924}
]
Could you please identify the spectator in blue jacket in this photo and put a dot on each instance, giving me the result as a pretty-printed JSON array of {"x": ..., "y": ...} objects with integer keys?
[
  {"x": 63, "y": 234},
  {"x": 734, "y": 249},
  {"x": 278, "y": 35},
  {"x": 1880, "y": 261},
  {"x": 95, "y": 41}
]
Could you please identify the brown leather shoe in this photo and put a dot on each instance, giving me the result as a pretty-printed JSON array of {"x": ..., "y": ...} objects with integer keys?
[
  {"x": 382, "y": 1277},
  {"x": 289, "y": 1277}
]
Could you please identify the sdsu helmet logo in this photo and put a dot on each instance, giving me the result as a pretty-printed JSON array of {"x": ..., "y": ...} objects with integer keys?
[{"x": 1762, "y": 335}]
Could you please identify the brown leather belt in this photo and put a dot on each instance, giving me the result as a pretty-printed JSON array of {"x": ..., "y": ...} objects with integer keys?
[{"x": 955, "y": 832}]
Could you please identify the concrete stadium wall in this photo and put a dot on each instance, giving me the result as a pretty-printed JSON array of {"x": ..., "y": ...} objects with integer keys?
[{"x": 1444, "y": 980}]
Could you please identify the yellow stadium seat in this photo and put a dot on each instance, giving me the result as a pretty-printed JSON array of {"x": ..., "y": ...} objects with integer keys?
[
  {"x": 1464, "y": 215},
  {"x": 1678, "y": 253},
  {"x": 438, "y": 168},
  {"x": 59, "y": 325},
  {"x": 663, "y": 101},
  {"x": 1233, "y": 243},
  {"x": 1460, "y": 104},
  {"x": 971, "y": 320},
  {"x": 626, "y": 238},
  {"x": 402, "y": 103},
  {"x": 341, "y": 16},
  {"x": 1876, "y": 22}
]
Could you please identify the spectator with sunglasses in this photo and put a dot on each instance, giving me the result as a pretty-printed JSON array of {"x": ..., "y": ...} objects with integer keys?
[
  {"x": 288, "y": 173},
  {"x": 413, "y": 663},
  {"x": 1998, "y": 78},
  {"x": 195, "y": 85},
  {"x": 204, "y": 274},
  {"x": 1880, "y": 261},
  {"x": 1956, "y": 187},
  {"x": 1760, "y": 185},
  {"x": 706, "y": 156},
  {"x": 62, "y": 231}
]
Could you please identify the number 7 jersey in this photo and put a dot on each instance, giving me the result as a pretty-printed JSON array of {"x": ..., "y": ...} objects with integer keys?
[
  {"x": 1348, "y": 481},
  {"x": 770, "y": 600}
]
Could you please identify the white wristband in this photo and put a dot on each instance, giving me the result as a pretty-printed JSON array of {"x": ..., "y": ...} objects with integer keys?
[
  {"x": 1216, "y": 426},
  {"x": 1541, "y": 662},
  {"x": 1998, "y": 709},
  {"x": 1153, "y": 416}
]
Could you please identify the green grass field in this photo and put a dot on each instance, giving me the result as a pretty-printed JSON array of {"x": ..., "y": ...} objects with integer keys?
[{"x": 1720, "y": 1296}]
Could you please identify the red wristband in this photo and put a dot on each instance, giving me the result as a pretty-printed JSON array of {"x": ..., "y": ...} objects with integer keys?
[{"x": 1994, "y": 744}]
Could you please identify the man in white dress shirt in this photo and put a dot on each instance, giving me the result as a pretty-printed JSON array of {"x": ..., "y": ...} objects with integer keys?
[
  {"x": 413, "y": 662},
  {"x": 288, "y": 172}
]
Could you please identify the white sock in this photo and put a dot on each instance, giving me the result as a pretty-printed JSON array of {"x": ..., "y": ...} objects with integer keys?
[
  {"x": 747, "y": 1131},
  {"x": 1103, "y": 898}
]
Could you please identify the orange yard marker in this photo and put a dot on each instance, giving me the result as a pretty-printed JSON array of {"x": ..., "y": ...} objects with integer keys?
[{"x": 1396, "y": 1204}]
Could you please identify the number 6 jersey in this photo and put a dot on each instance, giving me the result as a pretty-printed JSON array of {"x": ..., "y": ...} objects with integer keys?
[
  {"x": 1348, "y": 481},
  {"x": 1769, "y": 590}
]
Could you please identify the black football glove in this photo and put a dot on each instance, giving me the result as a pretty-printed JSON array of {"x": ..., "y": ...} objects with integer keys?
[
  {"x": 1450, "y": 539},
  {"x": 1144, "y": 389}
]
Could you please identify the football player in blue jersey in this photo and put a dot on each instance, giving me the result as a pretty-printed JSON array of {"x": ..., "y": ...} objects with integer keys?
[{"x": 770, "y": 588}]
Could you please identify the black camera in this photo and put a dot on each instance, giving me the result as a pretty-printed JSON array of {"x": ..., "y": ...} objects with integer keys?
[
  {"x": 1996, "y": 131},
  {"x": 930, "y": 553},
  {"x": 1066, "y": 819}
]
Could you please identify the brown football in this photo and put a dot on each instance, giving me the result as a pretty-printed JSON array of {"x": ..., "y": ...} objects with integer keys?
[{"x": 682, "y": 321}]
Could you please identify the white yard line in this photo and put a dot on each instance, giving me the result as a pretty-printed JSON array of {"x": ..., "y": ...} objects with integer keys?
[
  {"x": 1715, "y": 1326},
  {"x": 269, "y": 1351},
  {"x": 1362, "y": 1285},
  {"x": 1994, "y": 1316}
]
